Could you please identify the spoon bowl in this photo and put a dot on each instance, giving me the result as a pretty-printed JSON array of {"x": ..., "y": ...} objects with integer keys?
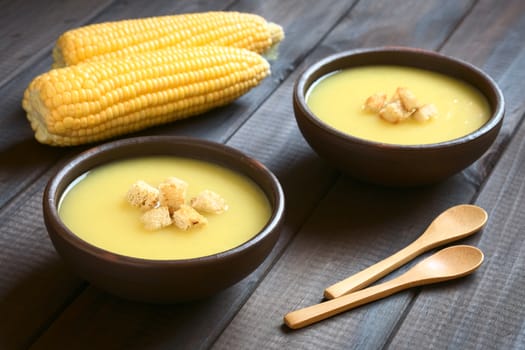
[
  {"x": 449, "y": 263},
  {"x": 452, "y": 262},
  {"x": 453, "y": 224}
]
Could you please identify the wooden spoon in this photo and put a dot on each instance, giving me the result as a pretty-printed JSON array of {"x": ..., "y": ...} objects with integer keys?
[
  {"x": 454, "y": 223},
  {"x": 452, "y": 262}
]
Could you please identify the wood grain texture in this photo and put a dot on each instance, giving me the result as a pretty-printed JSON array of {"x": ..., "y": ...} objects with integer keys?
[
  {"x": 30, "y": 271},
  {"x": 342, "y": 236},
  {"x": 29, "y": 30},
  {"x": 335, "y": 226},
  {"x": 228, "y": 303},
  {"x": 492, "y": 298},
  {"x": 490, "y": 31}
]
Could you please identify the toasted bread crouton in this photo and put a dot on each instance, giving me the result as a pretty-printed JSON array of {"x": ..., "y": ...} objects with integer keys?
[
  {"x": 393, "y": 112},
  {"x": 408, "y": 99},
  {"x": 156, "y": 218},
  {"x": 142, "y": 195},
  {"x": 402, "y": 105},
  {"x": 186, "y": 217},
  {"x": 209, "y": 202},
  {"x": 172, "y": 193},
  {"x": 425, "y": 112},
  {"x": 375, "y": 102}
]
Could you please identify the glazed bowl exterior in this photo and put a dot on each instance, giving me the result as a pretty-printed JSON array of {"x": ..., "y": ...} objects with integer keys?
[
  {"x": 392, "y": 164},
  {"x": 162, "y": 281}
]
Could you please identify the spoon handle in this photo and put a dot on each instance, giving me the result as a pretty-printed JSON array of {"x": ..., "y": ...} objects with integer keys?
[
  {"x": 315, "y": 313},
  {"x": 375, "y": 272}
]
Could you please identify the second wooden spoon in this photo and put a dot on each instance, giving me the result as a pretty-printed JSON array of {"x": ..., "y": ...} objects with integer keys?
[{"x": 453, "y": 224}]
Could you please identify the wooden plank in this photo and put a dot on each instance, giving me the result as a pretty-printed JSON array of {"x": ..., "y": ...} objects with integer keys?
[
  {"x": 492, "y": 299},
  {"x": 222, "y": 307},
  {"x": 344, "y": 236},
  {"x": 29, "y": 30},
  {"x": 256, "y": 147},
  {"x": 488, "y": 39},
  {"x": 30, "y": 271},
  {"x": 484, "y": 310},
  {"x": 124, "y": 9},
  {"x": 80, "y": 312}
]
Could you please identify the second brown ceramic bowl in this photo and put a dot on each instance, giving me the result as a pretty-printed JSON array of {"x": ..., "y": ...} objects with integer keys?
[
  {"x": 391, "y": 164},
  {"x": 162, "y": 280}
]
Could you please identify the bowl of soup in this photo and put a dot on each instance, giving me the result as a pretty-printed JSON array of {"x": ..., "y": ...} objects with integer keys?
[
  {"x": 163, "y": 219},
  {"x": 397, "y": 116}
]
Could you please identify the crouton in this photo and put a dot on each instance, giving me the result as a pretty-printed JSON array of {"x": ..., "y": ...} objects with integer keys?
[
  {"x": 209, "y": 202},
  {"x": 401, "y": 106},
  {"x": 142, "y": 195},
  {"x": 393, "y": 112},
  {"x": 408, "y": 99},
  {"x": 375, "y": 102},
  {"x": 425, "y": 112},
  {"x": 156, "y": 218},
  {"x": 172, "y": 193},
  {"x": 186, "y": 217}
]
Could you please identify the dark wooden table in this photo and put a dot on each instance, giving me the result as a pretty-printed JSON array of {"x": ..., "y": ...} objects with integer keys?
[{"x": 335, "y": 226}]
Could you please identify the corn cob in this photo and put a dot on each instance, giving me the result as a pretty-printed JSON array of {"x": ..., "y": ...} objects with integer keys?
[
  {"x": 127, "y": 37},
  {"x": 100, "y": 99}
]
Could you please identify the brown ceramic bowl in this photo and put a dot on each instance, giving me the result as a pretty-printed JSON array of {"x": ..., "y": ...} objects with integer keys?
[
  {"x": 391, "y": 164},
  {"x": 162, "y": 280}
]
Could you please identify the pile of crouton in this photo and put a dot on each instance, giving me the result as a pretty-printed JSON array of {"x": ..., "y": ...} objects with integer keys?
[
  {"x": 401, "y": 106},
  {"x": 167, "y": 204}
]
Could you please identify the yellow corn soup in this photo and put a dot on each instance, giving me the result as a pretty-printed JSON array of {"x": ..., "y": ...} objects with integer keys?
[
  {"x": 94, "y": 207},
  {"x": 338, "y": 99}
]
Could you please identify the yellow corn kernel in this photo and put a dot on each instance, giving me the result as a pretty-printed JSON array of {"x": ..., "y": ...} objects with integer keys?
[
  {"x": 127, "y": 37},
  {"x": 155, "y": 87}
]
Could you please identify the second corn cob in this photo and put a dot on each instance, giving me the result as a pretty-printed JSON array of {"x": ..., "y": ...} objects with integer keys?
[
  {"x": 127, "y": 37},
  {"x": 96, "y": 100}
]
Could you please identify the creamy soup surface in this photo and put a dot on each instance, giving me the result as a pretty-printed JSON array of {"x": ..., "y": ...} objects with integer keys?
[
  {"x": 338, "y": 99},
  {"x": 94, "y": 208}
]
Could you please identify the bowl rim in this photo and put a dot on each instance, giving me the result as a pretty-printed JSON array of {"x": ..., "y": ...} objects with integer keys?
[
  {"x": 302, "y": 85},
  {"x": 51, "y": 197}
]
